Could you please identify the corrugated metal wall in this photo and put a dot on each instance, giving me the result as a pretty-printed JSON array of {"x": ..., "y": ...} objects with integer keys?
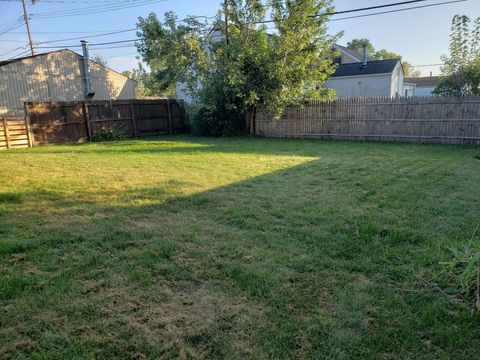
[{"x": 56, "y": 76}]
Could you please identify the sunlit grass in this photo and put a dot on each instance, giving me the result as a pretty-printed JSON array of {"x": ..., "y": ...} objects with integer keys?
[{"x": 184, "y": 247}]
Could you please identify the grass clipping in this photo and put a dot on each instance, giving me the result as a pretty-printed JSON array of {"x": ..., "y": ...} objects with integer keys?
[{"x": 463, "y": 272}]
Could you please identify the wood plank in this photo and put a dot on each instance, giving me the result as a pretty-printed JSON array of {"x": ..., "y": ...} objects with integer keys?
[
  {"x": 27, "y": 125},
  {"x": 18, "y": 142},
  {"x": 87, "y": 120},
  {"x": 132, "y": 116},
  {"x": 5, "y": 132}
]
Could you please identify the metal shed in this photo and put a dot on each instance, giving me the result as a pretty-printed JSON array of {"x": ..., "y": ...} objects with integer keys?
[{"x": 58, "y": 76}]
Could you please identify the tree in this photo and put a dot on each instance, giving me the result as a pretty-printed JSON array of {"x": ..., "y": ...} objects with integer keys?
[
  {"x": 358, "y": 44},
  {"x": 147, "y": 84},
  {"x": 230, "y": 79},
  {"x": 461, "y": 70},
  {"x": 98, "y": 58}
]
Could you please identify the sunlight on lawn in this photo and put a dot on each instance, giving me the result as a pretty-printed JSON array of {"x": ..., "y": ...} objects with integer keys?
[{"x": 187, "y": 247}]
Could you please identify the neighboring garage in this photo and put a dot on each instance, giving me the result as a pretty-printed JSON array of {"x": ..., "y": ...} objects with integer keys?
[{"x": 58, "y": 76}]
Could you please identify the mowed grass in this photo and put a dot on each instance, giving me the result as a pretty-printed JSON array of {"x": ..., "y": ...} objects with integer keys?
[{"x": 185, "y": 247}]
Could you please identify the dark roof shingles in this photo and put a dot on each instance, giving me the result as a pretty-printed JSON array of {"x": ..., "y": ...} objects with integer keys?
[{"x": 373, "y": 67}]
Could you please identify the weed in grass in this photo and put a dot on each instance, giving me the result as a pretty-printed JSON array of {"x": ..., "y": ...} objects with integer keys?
[{"x": 461, "y": 274}]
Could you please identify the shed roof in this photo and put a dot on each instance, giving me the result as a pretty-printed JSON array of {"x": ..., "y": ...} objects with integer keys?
[
  {"x": 7, "y": 62},
  {"x": 373, "y": 67},
  {"x": 423, "y": 81}
]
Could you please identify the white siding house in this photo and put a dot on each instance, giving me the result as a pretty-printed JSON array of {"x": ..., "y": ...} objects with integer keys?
[
  {"x": 57, "y": 76},
  {"x": 423, "y": 85},
  {"x": 357, "y": 75},
  {"x": 182, "y": 93},
  {"x": 361, "y": 85}
]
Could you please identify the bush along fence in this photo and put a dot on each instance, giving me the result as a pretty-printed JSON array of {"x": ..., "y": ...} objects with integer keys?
[
  {"x": 66, "y": 122},
  {"x": 421, "y": 119}
]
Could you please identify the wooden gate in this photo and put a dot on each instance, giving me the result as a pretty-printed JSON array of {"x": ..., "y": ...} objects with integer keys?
[{"x": 14, "y": 133}]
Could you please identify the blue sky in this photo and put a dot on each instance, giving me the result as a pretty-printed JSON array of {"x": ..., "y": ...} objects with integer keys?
[{"x": 419, "y": 35}]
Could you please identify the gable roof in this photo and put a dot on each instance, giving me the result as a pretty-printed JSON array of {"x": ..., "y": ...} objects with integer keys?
[
  {"x": 373, "y": 67},
  {"x": 352, "y": 53},
  {"x": 7, "y": 62},
  {"x": 423, "y": 81},
  {"x": 11, "y": 61}
]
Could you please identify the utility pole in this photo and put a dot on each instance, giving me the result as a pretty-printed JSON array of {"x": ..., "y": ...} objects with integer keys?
[
  {"x": 227, "y": 21},
  {"x": 25, "y": 16}
]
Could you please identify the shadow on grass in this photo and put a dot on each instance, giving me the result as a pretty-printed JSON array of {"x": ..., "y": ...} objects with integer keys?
[
  {"x": 302, "y": 262},
  {"x": 186, "y": 144}
]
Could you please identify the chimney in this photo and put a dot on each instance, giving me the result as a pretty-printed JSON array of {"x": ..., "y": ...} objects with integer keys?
[
  {"x": 89, "y": 93},
  {"x": 364, "y": 56},
  {"x": 431, "y": 74}
]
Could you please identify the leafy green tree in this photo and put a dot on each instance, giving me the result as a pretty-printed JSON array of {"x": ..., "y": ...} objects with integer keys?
[
  {"x": 358, "y": 44},
  {"x": 461, "y": 70},
  {"x": 230, "y": 79},
  {"x": 148, "y": 86},
  {"x": 465, "y": 81}
]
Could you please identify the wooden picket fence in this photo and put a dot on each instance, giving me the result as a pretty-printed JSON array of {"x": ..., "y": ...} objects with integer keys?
[
  {"x": 421, "y": 119},
  {"x": 67, "y": 122},
  {"x": 14, "y": 133}
]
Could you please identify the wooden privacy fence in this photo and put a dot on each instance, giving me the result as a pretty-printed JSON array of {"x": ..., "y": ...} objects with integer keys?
[
  {"x": 425, "y": 119},
  {"x": 14, "y": 133},
  {"x": 64, "y": 122}
]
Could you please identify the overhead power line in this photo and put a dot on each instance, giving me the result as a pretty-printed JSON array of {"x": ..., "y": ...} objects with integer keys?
[
  {"x": 398, "y": 10},
  {"x": 94, "y": 10},
  {"x": 20, "y": 54},
  {"x": 101, "y": 45},
  {"x": 97, "y": 44},
  {"x": 71, "y": 1},
  {"x": 426, "y": 65},
  {"x": 15, "y": 24},
  {"x": 353, "y": 10}
]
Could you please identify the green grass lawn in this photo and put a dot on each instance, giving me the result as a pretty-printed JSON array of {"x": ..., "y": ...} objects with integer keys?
[{"x": 185, "y": 247}]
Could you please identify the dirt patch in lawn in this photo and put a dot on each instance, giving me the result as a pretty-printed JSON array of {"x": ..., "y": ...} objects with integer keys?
[{"x": 194, "y": 320}]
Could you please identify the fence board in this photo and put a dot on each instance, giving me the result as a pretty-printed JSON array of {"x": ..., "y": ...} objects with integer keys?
[
  {"x": 423, "y": 119},
  {"x": 64, "y": 122},
  {"x": 13, "y": 133}
]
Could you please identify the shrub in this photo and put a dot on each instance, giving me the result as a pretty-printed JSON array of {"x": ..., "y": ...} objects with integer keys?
[{"x": 108, "y": 135}]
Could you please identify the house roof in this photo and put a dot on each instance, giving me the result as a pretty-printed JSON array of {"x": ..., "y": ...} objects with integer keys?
[
  {"x": 353, "y": 53},
  {"x": 373, "y": 67},
  {"x": 423, "y": 81},
  {"x": 7, "y": 62}
]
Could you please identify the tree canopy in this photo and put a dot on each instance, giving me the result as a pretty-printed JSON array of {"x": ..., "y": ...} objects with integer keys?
[
  {"x": 461, "y": 69},
  {"x": 254, "y": 68}
]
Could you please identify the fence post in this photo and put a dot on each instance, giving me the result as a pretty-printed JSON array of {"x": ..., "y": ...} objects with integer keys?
[
  {"x": 134, "y": 125},
  {"x": 5, "y": 129},
  {"x": 27, "y": 125},
  {"x": 86, "y": 116},
  {"x": 170, "y": 126}
]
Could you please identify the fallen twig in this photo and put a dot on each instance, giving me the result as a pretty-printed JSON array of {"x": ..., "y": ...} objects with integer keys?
[{"x": 453, "y": 299}]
